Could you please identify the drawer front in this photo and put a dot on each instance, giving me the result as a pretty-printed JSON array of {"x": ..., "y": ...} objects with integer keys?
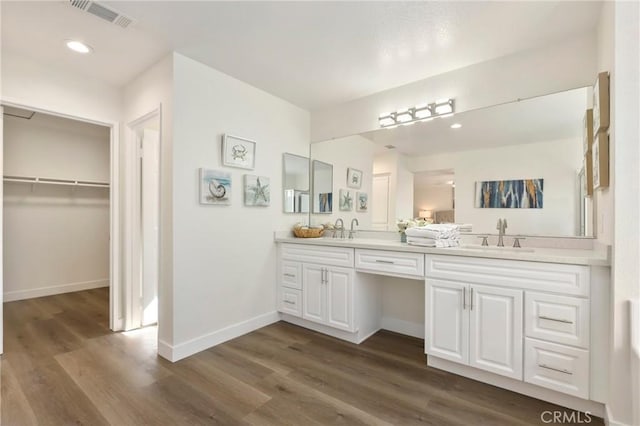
[
  {"x": 558, "y": 367},
  {"x": 559, "y": 319},
  {"x": 291, "y": 301},
  {"x": 552, "y": 277},
  {"x": 329, "y": 256},
  {"x": 408, "y": 265},
  {"x": 291, "y": 274}
]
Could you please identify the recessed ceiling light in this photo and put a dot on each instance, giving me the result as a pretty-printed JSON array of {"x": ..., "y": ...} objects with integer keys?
[
  {"x": 456, "y": 125},
  {"x": 78, "y": 46}
]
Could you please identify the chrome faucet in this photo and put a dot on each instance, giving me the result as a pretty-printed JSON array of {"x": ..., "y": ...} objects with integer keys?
[
  {"x": 501, "y": 227},
  {"x": 341, "y": 228},
  {"x": 353, "y": 231}
]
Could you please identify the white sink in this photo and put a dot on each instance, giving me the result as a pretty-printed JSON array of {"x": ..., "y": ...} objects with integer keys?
[{"x": 498, "y": 249}]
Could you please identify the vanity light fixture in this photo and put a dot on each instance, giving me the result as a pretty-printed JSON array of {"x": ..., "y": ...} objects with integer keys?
[
  {"x": 456, "y": 125},
  {"x": 444, "y": 106},
  {"x": 417, "y": 113},
  {"x": 78, "y": 46}
]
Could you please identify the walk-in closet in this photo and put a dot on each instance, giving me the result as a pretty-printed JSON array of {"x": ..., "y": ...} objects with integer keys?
[{"x": 56, "y": 218}]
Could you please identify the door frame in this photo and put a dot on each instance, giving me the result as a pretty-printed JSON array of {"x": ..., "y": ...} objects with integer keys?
[
  {"x": 115, "y": 295},
  {"x": 132, "y": 213}
]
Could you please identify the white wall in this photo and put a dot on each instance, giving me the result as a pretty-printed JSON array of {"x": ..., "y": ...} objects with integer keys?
[
  {"x": 351, "y": 151},
  {"x": 56, "y": 238},
  {"x": 151, "y": 90},
  {"x": 619, "y": 35},
  {"x": 556, "y": 162},
  {"x": 554, "y": 68},
  {"x": 224, "y": 269},
  {"x": 431, "y": 197},
  {"x": 403, "y": 306}
]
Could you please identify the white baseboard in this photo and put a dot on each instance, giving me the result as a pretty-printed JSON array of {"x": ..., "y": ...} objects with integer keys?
[
  {"x": 11, "y": 296},
  {"x": 609, "y": 420},
  {"x": 403, "y": 327},
  {"x": 182, "y": 350}
]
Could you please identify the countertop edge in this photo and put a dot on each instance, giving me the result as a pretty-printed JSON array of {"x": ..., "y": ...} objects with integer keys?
[{"x": 556, "y": 255}]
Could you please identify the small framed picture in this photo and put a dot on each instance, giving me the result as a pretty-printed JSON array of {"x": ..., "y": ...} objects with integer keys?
[
  {"x": 354, "y": 178},
  {"x": 256, "y": 191},
  {"x": 238, "y": 152},
  {"x": 362, "y": 202},
  {"x": 215, "y": 187},
  {"x": 601, "y": 103},
  {"x": 600, "y": 152},
  {"x": 346, "y": 200}
]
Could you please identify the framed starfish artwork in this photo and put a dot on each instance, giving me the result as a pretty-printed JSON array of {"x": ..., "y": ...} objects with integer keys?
[{"x": 256, "y": 191}]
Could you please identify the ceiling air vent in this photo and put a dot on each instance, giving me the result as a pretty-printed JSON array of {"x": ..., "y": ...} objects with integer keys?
[{"x": 102, "y": 12}]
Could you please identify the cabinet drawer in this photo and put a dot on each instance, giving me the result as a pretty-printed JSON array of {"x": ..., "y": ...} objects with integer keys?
[
  {"x": 291, "y": 301},
  {"x": 559, "y": 319},
  {"x": 291, "y": 274},
  {"x": 558, "y": 367},
  {"x": 407, "y": 265},
  {"x": 330, "y": 256},
  {"x": 552, "y": 277}
]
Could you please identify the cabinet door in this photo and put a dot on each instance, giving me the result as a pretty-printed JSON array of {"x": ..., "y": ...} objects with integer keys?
[
  {"x": 447, "y": 320},
  {"x": 313, "y": 293},
  {"x": 339, "y": 286},
  {"x": 496, "y": 330}
]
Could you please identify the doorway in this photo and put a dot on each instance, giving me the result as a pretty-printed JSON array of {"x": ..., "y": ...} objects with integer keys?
[
  {"x": 59, "y": 198},
  {"x": 142, "y": 295}
]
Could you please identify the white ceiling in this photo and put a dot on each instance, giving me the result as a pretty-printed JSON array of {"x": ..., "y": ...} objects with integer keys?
[
  {"x": 545, "y": 118},
  {"x": 314, "y": 54}
]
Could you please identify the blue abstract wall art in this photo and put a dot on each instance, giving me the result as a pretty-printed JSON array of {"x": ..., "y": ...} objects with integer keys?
[{"x": 510, "y": 194}]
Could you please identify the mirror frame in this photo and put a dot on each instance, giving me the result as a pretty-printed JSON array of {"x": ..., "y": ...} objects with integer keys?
[
  {"x": 295, "y": 190},
  {"x": 314, "y": 201}
]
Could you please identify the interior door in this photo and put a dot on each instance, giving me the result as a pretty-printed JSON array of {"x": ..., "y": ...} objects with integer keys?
[
  {"x": 150, "y": 224},
  {"x": 339, "y": 284},
  {"x": 313, "y": 293},
  {"x": 380, "y": 202},
  {"x": 496, "y": 330},
  {"x": 447, "y": 320}
]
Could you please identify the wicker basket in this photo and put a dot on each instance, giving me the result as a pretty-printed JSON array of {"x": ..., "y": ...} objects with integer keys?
[{"x": 308, "y": 232}]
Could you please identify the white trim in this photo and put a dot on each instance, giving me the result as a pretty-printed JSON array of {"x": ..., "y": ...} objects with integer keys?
[
  {"x": 115, "y": 322},
  {"x": 407, "y": 328},
  {"x": 609, "y": 420},
  {"x": 11, "y": 296},
  {"x": 572, "y": 402},
  {"x": 182, "y": 350}
]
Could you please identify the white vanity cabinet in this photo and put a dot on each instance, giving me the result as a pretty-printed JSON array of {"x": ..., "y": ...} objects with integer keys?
[
  {"x": 528, "y": 321},
  {"x": 327, "y": 295},
  {"x": 319, "y": 289},
  {"x": 477, "y": 325}
]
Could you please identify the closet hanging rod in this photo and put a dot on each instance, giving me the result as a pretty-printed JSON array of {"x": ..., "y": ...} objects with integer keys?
[{"x": 52, "y": 181}]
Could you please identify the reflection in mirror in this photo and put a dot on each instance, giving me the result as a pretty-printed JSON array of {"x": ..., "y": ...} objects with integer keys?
[
  {"x": 322, "y": 179},
  {"x": 436, "y": 167},
  {"x": 295, "y": 183}
]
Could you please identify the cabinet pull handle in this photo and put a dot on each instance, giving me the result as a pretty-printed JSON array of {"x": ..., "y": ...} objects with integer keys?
[
  {"x": 559, "y": 370},
  {"x": 471, "y": 299},
  {"x": 324, "y": 275},
  {"x": 464, "y": 298},
  {"x": 555, "y": 319},
  {"x": 290, "y": 275},
  {"x": 289, "y": 302},
  {"x": 390, "y": 262}
]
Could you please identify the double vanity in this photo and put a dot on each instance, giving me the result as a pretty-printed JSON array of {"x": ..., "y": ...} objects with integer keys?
[{"x": 532, "y": 320}]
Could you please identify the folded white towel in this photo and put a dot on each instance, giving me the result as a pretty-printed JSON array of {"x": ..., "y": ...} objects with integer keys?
[
  {"x": 430, "y": 242},
  {"x": 434, "y": 231}
]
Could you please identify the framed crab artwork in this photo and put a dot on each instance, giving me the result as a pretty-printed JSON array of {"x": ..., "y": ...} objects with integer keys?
[{"x": 238, "y": 152}]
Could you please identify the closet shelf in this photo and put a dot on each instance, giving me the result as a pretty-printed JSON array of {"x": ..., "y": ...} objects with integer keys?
[{"x": 51, "y": 181}]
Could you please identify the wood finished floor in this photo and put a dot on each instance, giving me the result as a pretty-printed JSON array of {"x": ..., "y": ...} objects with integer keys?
[{"x": 62, "y": 366}]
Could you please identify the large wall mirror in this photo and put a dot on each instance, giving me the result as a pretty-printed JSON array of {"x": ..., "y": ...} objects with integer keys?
[
  {"x": 436, "y": 169},
  {"x": 295, "y": 183}
]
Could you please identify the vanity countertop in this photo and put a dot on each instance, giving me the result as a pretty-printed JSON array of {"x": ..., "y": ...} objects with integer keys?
[{"x": 531, "y": 254}]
